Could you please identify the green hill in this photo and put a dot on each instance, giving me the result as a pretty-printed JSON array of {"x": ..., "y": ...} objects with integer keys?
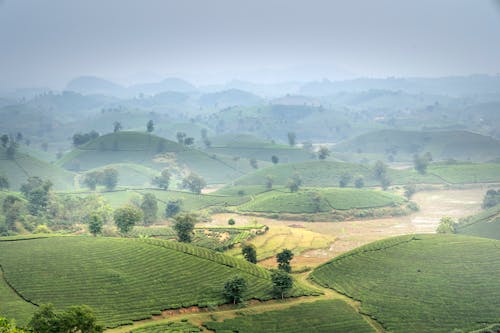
[
  {"x": 244, "y": 145},
  {"x": 319, "y": 200},
  {"x": 485, "y": 224},
  {"x": 421, "y": 283},
  {"x": 149, "y": 151},
  {"x": 317, "y": 317},
  {"x": 24, "y": 166},
  {"x": 122, "y": 279},
  {"x": 459, "y": 145}
]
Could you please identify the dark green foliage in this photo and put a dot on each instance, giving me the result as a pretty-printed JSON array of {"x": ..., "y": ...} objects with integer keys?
[
  {"x": 234, "y": 289},
  {"x": 345, "y": 178},
  {"x": 109, "y": 178},
  {"x": 76, "y": 319},
  {"x": 173, "y": 208},
  {"x": 82, "y": 138},
  {"x": 274, "y": 159},
  {"x": 231, "y": 221},
  {"x": 36, "y": 191},
  {"x": 491, "y": 198},
  {"x": 282, "y": 282},
  {"x": 194, "y": 183},
  {"x": 421, "y": 162},
  {"x": 117, "y": 126},
  {"x": 91, "y": 179},
  {"x": 9, "y": 327},
  {"x": 5, "y": 140},
  {"x": 249, "y": 252},
  {"x": 180, "y": 137},
  {"x": 325, "y": 316},
  {"x": 95, "y": 223},
  {"x": 126, "y": 218},
  {"x": 323, "y": 152},
  {"x": 150, "y": 126},
  {"x": 149, "y": 207},
  {"x": 163, "y": 180},
  {"x": 283, "y": 258},
  {"x": 184, "y": 226},
  {"x": 294, "y": 183}
]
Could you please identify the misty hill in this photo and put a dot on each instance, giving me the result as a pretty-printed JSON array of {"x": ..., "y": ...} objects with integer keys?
[
  {"x": 152, "y": 152},
  {"x": 227, "y": 98},
  {"x": 24, "y": 166},
  {"x": 94, "y": 85},
  {"x": 168, "y": 84},
  {"x": 459, "y": 145}
]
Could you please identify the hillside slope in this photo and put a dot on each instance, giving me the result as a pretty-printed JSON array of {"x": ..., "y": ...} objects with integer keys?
[{"x": 485, "y": 224}]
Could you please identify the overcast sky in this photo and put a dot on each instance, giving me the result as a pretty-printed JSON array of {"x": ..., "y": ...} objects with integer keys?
[{"x": 48, "y": 42}]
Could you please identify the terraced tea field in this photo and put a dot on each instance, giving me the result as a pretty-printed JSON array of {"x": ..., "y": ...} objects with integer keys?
[
  {"x": 484, "y": 224},
  {"x": 124, "y": 279},
  {"x": 421, "y": 283},
  {"x": 321, "y": 316},
  {"x": 170, "y": 327}
]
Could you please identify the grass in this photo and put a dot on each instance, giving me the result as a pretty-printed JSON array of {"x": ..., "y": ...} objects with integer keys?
[
  {"x": 467, "y": 172},
  {"x": 170, "y": 327},
  {"x": 421, "y": 283},
  {"x": 320, "y": 316},
  {"x": 24, "y": 166},
  {"x": 125, "y": 279},
  {"x": 485, "y": 224},
  {"x": 320, "y": 200}
]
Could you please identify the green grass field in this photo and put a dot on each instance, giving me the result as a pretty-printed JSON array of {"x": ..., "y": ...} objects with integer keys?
[
  {"x": 467, "y": 172},
  {"x": 124, "y": 279},
  {"x": 171, "y": 327},
  {"x": 421, "y": 283},
  {"x": 320, "y": 316},
  {"x": 25, "y": 166},
  {"x": 311, "y": 200},
  {"x": 485, "y": 224}
]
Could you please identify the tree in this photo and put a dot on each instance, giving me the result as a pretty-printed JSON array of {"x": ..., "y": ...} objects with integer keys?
[
  {"x": 189, "y": 141},
  {"x": 149, "y": 207},
  {"x": 446, "y": 226},
  {"x": 180, "y": 137},
  {"x": 410, "y": 190},
  {"x": 184, "y": 226},
  {"x": 5, "y": 140},
  {"x": 359, "y": 182},
  {"x": 36, "y": 191},
  {"x": 491, "y": 198},
  {"x": 10, "y": 152},
  {"x": 91, "y": 179},
  {"x": 150, "y": 126},
  {"x": 316, "y": 200},
  {"x": 234, "y": 289},
  {"x": 78, "y": 318},
  {"x": 269, "y": 182},
  {"x": 109, "y": 178},
  {"x": 126, "y": 218},
  {"x": 4, "y": 182},
  {"x": 385, "y": 182},
  {"x": 274, "y": 159},
  {"x": 12, "y": 208},
  {"x": 163, "y": 180},
  {"x": 291, "y": 138},
  {"x": 253, "y": 163},
  {"x": 345, "y": 178},
  {"x": 250, "y": 253},
  {"x": 323, "y": 153},
  {"x": 282, "y": 282},
  {"x": 173, "y": 208},
  {"x": 283, "y": 258},
  {"x": 380, "y": 170},
  {"x": 294, "y": 183},
  {"x": 421, "y": 163},
  {"x": 95, "y": 222},
  {"x": 194, "y": 183},
  {"x": 7, "y": 326},
  {"x": 231, "y": 221},
  {"x": 117, "y": 126}
]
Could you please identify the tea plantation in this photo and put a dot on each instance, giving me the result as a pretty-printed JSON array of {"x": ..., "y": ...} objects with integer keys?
[
  {"x": 485, "y": 224},
  {"x": 317, "y": 317},
  {"x": 124, "y": 279},
  {"x": 422, "y": 283}
]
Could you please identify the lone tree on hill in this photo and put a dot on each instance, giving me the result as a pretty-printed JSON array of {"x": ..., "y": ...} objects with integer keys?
[
  {"x": 184, "y": 226},
  {"x": 294, "y": 183},
  {"x": 282, "y": 283},
  {"x": 163, "y": 180},
  {"x": 180, "y": 137},
  {"x": 109, "y": 178},
  {"x": 150, "y": 126},
  {"x": 249, "y": 252},
  {"x": 126, "y": 218},
  {"x": 95, "y": 224},
  {"x": 117, "y": 126},
  {"x": 194, "y": 183},
  {"x": 173, "y": 208},
  {"x": 345, "y": 178},
  {"x": 283, "y": 258},
  {"x": 275, "y": 159},
  {"x": 291, "y": 138},
  {"x": 269, "y": 182},
  {"x": 234, "y": 289},
  {"x": 323, "y": 153},
  {"x": 149, "y": 207},
  {"x": 91, "y": 179},
  {"x": 421, "y": 162}
]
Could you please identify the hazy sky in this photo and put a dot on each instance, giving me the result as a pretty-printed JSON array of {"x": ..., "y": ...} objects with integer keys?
[{"x": 48, "y": 42}]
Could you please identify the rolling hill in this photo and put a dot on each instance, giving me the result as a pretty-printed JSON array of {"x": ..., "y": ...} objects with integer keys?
[
  {"x": 459, "y": 145},
  {"x": 24, "y": 166},
  {"x": 485, "y": 224},
  {"x": 421, "y": 283},
  {"x": 121, "y": 279},
  {"x": 152, "y": 152}
]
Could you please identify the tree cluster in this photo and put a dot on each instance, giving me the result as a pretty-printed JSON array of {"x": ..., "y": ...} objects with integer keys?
[
  {"x": 82, "y": 138},
  {"x": 107, "y": 177},
  {"x": 194, "y": 183},
  {"x": 79, "y": 318}
]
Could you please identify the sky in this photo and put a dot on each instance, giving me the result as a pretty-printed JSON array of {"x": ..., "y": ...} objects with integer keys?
[{"x": 48, "y": 42}]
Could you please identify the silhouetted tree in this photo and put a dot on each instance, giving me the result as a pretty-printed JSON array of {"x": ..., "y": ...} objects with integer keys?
[
  {"x": 249, "y": 252},
  {"x": 283, "y": 258},
  {"x": 150, "y": 126}
]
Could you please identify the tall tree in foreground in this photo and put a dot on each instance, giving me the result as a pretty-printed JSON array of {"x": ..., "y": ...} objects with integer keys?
[
  {"x": 250, "y": 253},
  {"x": 234, "y": 289},
  {"x": 126, "y": 218},
  {"x": 283, "y": 258},
  {"x": 282, "y": 283},
  {"x": 184, "y": 226}
]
